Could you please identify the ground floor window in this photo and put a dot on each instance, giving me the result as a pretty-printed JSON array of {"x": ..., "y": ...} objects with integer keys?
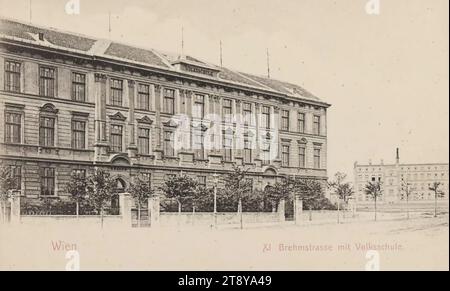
[{"x": 47, "y": 181}]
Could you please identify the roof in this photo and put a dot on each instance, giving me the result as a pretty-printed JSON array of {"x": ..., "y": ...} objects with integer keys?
[{"x": 57, "y": 39}]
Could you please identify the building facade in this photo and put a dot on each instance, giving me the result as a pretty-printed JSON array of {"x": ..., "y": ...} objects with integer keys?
[
  {"x": 71, "y": 103},
  {"x": 399, "y": 179}
]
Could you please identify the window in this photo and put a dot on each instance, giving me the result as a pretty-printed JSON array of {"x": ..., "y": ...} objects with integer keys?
[
  {"x": 285, "y": 155},
  {"x": 16, "y": 174},
  {"x": 198, "y": 139},
  {"x": 316, "y": 127},
  {"x": 227, "y": 147},
  {"x": 201, "y": 181},
  {"x": 227, "y": 110},
  {"x": 266, "y": 153},
  {"x": 116, "y": 138},
  {"x": 169, "y": 101},
  {"x": 12, "y": 76},
  {"x": 301, "y": 122},
  {"x": 144, "y": 141},
  {"x": 247, "y": 112},
  {"x": 302, "y": 156},
  {"x": 247, "y": 151},
  {"x": 143, "y": 97},
  {"x": 13, "y": 127},
  {"x": 317, "y": 158},
  {"x": 47, "y": 131},
  {"x": 78, "y": 134},
  {"x": 285, "y": 120},
  {"x": 116, "y": 92},
  {"x": 47, "y": 77},
  {"x": 47, "y": 181},
  {"x": 78, "y": 87},
  {"x": 169, "y": 144},
  {"x": 199, "y": 107},
  {"x": 265, "y": 122}
]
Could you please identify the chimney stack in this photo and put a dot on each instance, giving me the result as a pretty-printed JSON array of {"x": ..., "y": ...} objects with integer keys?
[{"x": 397, "y": 159}]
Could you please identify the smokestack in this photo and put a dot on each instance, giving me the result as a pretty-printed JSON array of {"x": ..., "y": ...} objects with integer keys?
[{"x": 397, "y": 159}]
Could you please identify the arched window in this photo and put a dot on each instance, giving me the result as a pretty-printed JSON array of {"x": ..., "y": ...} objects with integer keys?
[{"x": 48, "y": 125}]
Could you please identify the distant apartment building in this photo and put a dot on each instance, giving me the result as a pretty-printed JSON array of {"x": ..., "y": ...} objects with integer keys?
[{"x": 399, "y": 178}]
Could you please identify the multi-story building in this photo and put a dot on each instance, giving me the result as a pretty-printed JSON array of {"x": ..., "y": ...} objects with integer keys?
[
  {"x": 71, "y": 103},
  {"x": 400, "y": 179}
]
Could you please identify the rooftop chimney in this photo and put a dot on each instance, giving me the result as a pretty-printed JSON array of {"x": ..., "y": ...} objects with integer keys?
[
  {"x": 41, "y": 36},
  {"x": 397, "y": 159}
]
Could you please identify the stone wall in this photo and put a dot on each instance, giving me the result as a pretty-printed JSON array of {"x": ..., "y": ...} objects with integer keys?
[{"x": 169, "y": 219}]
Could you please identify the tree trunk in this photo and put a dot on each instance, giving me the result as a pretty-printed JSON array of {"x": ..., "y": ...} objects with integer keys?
[
  {"x": 179, "y": 213},
  {"x": 101, "y": 218},
  {"x": 77, "y": 210},
  {"x": 193, "y": 214},
  {"x": 310, "y": 213},
  {"x": 2, "y": 212},
  {"x": 240, "y": 213},
  {"x": 375, "y": 208},
  {"x": 338, "y": 210},
  {"x": 435, "y": 204},
  {"x": 139, "y": 216},
  {"x": 407, "y": 206},
  {"x": 344, "y": 210},
  {"x": 5, "y": 215}
]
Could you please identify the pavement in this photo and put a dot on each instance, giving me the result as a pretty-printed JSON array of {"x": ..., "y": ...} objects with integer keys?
[{"x": 420, "y": 243}]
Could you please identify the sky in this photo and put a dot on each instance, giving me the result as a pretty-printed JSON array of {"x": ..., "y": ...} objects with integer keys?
[{"x": 385, "y": 74}]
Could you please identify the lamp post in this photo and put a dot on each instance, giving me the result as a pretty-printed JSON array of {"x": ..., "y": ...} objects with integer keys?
[{"x": 216, "y": 181}]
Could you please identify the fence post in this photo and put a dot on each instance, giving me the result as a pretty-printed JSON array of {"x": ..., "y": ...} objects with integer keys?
[
  {"x": 282, "y": 210},
  {"x": 154, "y": 209},
  {"x": 15, "y": 209},
  {"x": 125, "y": 208},
  {"x": 298, "y": 209}
]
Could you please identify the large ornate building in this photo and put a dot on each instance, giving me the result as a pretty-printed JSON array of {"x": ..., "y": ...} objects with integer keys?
[
  {"x": 71, "y": 103},
  {"x": 400, "y": 179}
]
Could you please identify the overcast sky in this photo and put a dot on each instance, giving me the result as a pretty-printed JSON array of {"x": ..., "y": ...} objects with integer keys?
[{"x": 386, "y": 75}]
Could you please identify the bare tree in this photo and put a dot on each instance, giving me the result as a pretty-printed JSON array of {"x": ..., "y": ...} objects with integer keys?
[
  {"x": 77, "y": 188},
  {"x": 180, "y": 188},
  {"x": 408, "y": 190},
  {"x": 374, "y": 189},
  {"x": 279, "y": 191},
  {"x": 100, "y": 190},
  {"x": 342, "y": 189},
  {"x": 310, "y": 192},
  {"x": 140, "y": 189},
  {"x": 238, "y": 186},
  {"x": 437, "y": 194}
]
